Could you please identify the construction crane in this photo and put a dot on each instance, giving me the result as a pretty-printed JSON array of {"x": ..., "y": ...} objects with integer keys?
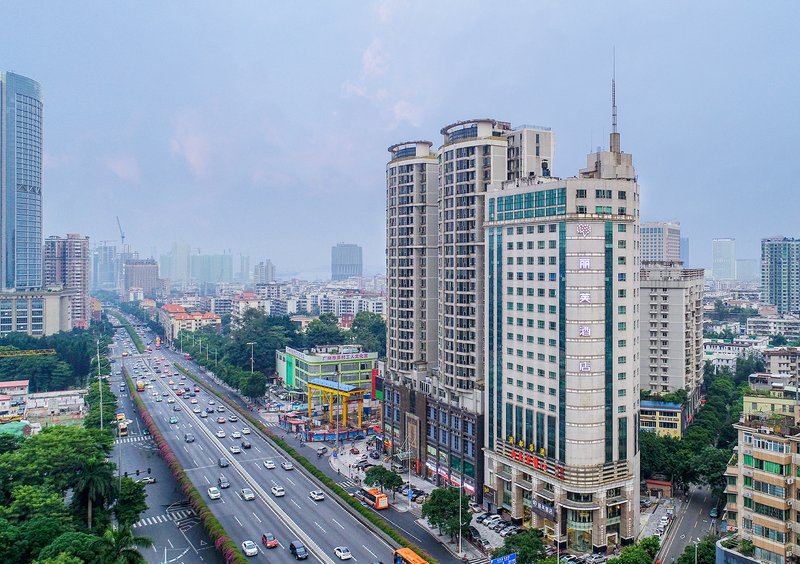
[
  {"x": 121, "y": 233},
  {"x": 32, "y": 352}
]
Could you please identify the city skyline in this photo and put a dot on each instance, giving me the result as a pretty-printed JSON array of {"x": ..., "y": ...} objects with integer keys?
[{"x": 184, "y": 153}]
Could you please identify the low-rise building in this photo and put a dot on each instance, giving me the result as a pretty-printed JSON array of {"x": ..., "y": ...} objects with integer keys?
[
  {"x": 788, "y": 326},
  {"x": 62, "y": 402},
  {"x": 666, "y": 419},
  {"x": 16, "y": 389},
  {"x": 174, "y": 319},
  {"x": 783, "y": 360},
  {"x": 724, "y": 354},
  {"x": 38, "y": 313},
  {"x": 348, "y": 364}
]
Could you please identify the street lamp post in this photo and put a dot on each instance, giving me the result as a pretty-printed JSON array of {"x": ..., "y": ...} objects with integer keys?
[
  {"x": 252, "y": 344},
  {"x": 338, "y": 385},
  {"x": 696, "y": 542},
  {"x": 100, "y": 384},
  {"x": 181, "y": 336}
]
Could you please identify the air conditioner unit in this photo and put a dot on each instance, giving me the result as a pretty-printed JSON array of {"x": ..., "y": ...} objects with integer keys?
[
  {"x": 789, "y": 481},
  {"x": 747, "y": 451},
  {"x": 790, "y": 502}
]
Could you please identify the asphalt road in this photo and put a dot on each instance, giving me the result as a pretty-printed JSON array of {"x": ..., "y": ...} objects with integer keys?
[
  {"x": 167, "y": 521},
  {"x": 692, "y": 522},
  {"x": 325, "y": 523}
]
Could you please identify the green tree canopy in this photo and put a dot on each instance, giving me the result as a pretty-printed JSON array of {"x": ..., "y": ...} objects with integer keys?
[
  {"x": 441, "y": 509},
  {"x": 529, "y": 547},
  {"x": 80, "y": 545},
  {"x": 130, "y": 502}
]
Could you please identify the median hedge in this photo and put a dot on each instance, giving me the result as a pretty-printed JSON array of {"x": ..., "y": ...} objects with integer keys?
[
  {"x": 131, "y": 331},
  {"x": 216, "y": 532},
  {"x": 377, "y": 521}
]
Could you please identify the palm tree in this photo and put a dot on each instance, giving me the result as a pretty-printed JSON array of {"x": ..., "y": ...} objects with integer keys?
[
  {"x": 95, "y": 482},
  {"x": 120, "y": 546}
]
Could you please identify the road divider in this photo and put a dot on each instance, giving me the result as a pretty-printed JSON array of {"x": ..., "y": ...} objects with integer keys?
[
  {"x": 390, "y": 535},
  {"x": 216, "y": 532}
]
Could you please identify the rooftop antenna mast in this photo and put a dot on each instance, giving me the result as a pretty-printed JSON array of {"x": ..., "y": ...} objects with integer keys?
[{"x": 614, "y": 144}]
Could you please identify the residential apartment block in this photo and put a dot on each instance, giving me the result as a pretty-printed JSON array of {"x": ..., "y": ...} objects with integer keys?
[
  {"x": 661, "y": 241},
  {"x": 672, "y": 329},
  {"x": 783, "y": 360},
  {"x": 786, "y": 325},
  {"x": 66, "y": 264},
  {"x": 780, "y": 273},
  {"x": 142, "y": 274},
  {"x": 666, "y": 419},
  {"x": 174, "y": 319}
]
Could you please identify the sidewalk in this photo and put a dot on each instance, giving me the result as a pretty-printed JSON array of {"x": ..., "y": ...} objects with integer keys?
[{"x": 473, "y": 555}]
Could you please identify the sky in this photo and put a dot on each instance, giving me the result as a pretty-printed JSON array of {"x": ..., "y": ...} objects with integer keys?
[{"x": 262, "y": 127}]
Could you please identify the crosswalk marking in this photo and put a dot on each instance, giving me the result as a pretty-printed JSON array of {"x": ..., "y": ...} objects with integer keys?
[
  {"x": 134, "y": 439},
  {"x": 347, "y": 484},
  {"x": 171, "y": 516}
]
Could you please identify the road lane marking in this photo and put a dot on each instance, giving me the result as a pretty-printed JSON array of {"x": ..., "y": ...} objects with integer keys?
[
  {"x": 337, "y": 522},
  {"x": 170, "y": 543},
  {"x": 256, "y": 516},
  {"x": 297, "y": 504},
  {"x": 321, "y": 529},
  {"x": 237, "y": 520},
  {"x": 290, "y": 481},
  {"x": 368, "y": 550}
]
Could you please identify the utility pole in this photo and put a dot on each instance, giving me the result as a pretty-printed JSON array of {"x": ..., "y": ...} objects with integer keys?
[{"x": 339, "y": 385}]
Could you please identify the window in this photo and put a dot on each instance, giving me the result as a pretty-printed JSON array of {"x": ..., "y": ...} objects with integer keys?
[
  {"x": 621, "y": 228},
  {"x": 621, "y": 376},
  {"x": 622, "y": 310},
  {"x": 620, "y": 277},
  {"x": 621, "y": 393},
  {"x": 580, "y": 193},
  {"x": 621, "y": 244},
  {"x": 580, "y": 209},
  {"x": 622, "y": 360},
  {"x": 621, "y": 260},
  {"x": 622, "y": 195}
]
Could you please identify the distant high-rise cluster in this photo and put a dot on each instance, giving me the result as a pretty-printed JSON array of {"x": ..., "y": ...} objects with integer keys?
[
  {"x": 346, "y": 261},
  {"x": 723, "y": 253},
  {"x": 264, "y": 272},
  {"x": 780, "y": 273}
]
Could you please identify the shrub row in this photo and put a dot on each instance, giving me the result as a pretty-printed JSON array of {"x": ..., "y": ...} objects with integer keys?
[
  {"x": 377, "y": 521},
  {"x": 131, "y": 331},
  {"x": 216, "y": 532}
]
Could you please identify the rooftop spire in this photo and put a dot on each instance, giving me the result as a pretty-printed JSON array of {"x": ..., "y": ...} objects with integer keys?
[{"x": 614, "y": 145}]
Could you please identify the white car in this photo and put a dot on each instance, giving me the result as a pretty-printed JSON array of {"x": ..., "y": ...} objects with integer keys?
[
  {"x": 269, "y": 465},
  {"x": 170, "y": 400},
  {"x": 214, "y": 493},
  {"x": 249, "y": 548},
  {"x": 245, "y": 430},
  {"x": 235, "y": 449},
  {"x": 316, "y": 495},
  {"x": 247, "y": 494},
  {"x": 236, "y": 435},
  {"x": 278, "y": 491},
  {"x": 286, "y": 465},
  {"x": 221, "y": 434},
  {"x": 342, "y": 552}
]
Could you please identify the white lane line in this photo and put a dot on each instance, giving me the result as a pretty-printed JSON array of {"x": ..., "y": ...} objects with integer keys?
[
  {"x": 323, "y": 530},
  {"x": 170, "y": 543},
  {"x": 237, "y": 520},
  {"x": 256, "y": 516},
  {"x": 340, "y": 525},
  {"x": 194, "y": 462},
  {"x": 368, "y": 550},
  {"x": 297, "y": 504},
  {"x": 290, "y": 481},
  {"x": 206, "y": 478}
]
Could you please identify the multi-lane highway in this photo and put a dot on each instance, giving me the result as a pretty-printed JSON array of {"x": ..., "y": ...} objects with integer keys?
[{"x": 320, "y": 525}]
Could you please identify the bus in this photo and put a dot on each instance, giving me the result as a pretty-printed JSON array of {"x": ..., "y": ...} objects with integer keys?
[
  {"x": 407, "y": 556},
  {"x": 120, "y": 417},
  {"x": 123, "y": 429},
  {"x": 375, "y": 498},
  {"x": 158, "y": 343},
  {"x": 139, "y": 386}
]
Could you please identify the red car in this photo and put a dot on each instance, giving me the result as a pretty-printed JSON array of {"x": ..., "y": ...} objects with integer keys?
[
  {"x": 196, "y": 389},
  {"x": 354, "y": 450},
  {"x": 269, "y": 540}
]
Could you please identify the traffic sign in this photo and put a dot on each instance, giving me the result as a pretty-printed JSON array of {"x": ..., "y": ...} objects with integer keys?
[
  {"x": 410, "y": 492},
  {"x": 507, "y": 559}
]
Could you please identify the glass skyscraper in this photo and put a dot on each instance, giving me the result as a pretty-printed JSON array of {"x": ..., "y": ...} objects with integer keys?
[{"x": 20, "y": 182}]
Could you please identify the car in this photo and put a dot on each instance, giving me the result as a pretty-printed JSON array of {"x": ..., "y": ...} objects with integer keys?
[
  {"x": 474, "y": 533},
  {"x": 211, "y": 402},
  {"x": 322, "y": 449},
  {"x": 232, "y": 418},
  {"x": 188, "y": 437},
  {"x": 147, "y": 480},
  {"x": 194, "y": 400},
  {"x": 165, "y": 394},
  {"x": 298, "y": 550},
  {"x": 170, "y": 400},
  {"x": 196, "y": 389},
  {"x": 223, "y": 462},
  {"x": 269, "y": 540},
  {"x": 246, "y": 444},
  {"x": 354, "y": 450},
  {"x": 374, "y": 455},
  {"x": 245, "y": 430},
  {"x": 159, "y": 399},
  {"x": 475, "y": 508},
  {"x": 249, "y": 548},
  {"x": 269, "y": 465},
  {"x": 342, "y": 553},
  {"x": 713, "y": 513},
  {"x": 196, "y": 410},
  {"x": 221, "y": 434},
  {"x": 186, "y": 388},
  {"x": 220, "y": 420},
  {"x": 235, "y": 449},
  {"x": 173, "y": 420},
  {"x": 278, "y": 491},
  {"x": 214, "y": 493},
  {"x": 316, "y": 495},
  {"x": 236, "y": 435},
  {"x": 171, "y": 383},
  {"x": 209, "y": 410},
  {"x": 286, "y": 465},
  {"x": 203, "y": 415},
  {"x": 223, "y": 482},
  {"x": 178, "y": 392},
  {"x": 220, "y": 409},
  {"x": 483, "y": 517},
  {"x": 247, "y": 494},
  {"x": 176, "y": 408}
]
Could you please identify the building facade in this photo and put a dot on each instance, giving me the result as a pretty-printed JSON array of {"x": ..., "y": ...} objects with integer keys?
[
  {"x": 20, "y": 183},
  {"x": 672, "y": 329},
  {"x": 264, "y": 272},
  {"x": 788, "y": 326},
  {"x": 346, "y": 364},
  {"x": 347, "y": 261},
  {"x": 661, "y": 241},
  {"x": 174, "y": 319},
  {"x": 37, "y": 313},
  {"x": 783, "y": 360},
  {"x": 723, "y": 255},
  {"x": 142, "y": 274},
  {"x": 562, "y": 352},
  {"x": 66, "y": 263},
  {"x": 666, "y": 419},
  {"x": 780, "y": 273},
  {"x": 105, "y": 267}
]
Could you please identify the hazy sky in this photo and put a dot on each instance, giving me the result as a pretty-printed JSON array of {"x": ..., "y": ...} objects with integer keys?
[{"x": 262, "y": 127}]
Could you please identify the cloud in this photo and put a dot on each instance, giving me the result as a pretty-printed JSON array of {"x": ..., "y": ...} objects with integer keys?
[
  {"x": 189, "y": 143},
  {"x": 373, "y": 59},
  {"x": 125, "y": 167},
  {"x": 405, "y": 112}
]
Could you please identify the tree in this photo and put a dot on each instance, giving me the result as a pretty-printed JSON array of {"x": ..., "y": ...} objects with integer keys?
[
  {"x": 9, "y": 443},
  {"x": 383, "y": 477},
  {"x": 634, "y": 554},
  {"x": 324, "y": 331},
  {"x": 9, "y": 539},
  {"x": 778, "y": 340},
  {"x": 529, "y": 547},
  {"x": 95, "y": 484},
  {"x": 130, "y": 502},
  {"x": 80, "y": 545},
  {"x": 38, "y": 533},
  {"x": 369, "y": 331},
  {"x": 441, "y": 510},
  {"x": 253, "y": 385},
  {"x": 31, "y": 502},
  {"x": 62, "y": 558},
  {"x": 121, "y": 546},
  {"x": 650, "y": 545},
  {"x": 706, "y": 551}
]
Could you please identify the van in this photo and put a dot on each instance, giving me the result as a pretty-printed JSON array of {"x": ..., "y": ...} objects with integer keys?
[
  {"x": 223, "y": 482},
  {"x": 188, "y": 437},
  {"x": 298, "y": 550},
  {"x": 397, "y": 467}
]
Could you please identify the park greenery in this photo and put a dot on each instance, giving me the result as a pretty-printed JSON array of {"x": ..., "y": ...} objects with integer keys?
[
  {"x": 528, "y": 546},
  {"x": 706, "y": 551},
  {"x": 62, "y": 502}
]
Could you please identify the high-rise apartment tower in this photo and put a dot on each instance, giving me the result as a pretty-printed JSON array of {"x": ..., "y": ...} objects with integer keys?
[
  {"x": 66, "y": 263},
  {"x": 723, "y": 254},
  {"x": 346, "y": 261},
  {"x": 780, "y": 273},
  {"x": 661, "y": 241}
]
